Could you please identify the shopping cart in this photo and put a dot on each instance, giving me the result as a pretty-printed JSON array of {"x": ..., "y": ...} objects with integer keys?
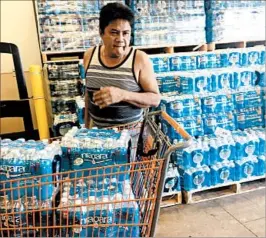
[{"x": 99, "y": 208}]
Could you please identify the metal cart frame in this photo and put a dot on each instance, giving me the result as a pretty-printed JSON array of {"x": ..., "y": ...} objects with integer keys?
[{"x": 147, "y": 173}]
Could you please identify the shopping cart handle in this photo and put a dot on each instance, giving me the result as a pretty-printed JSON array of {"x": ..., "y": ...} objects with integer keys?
[{"x": 180, "y": 130}]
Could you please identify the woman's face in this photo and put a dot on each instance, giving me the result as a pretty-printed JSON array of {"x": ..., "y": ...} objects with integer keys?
[{"x": 116, "y": 38}]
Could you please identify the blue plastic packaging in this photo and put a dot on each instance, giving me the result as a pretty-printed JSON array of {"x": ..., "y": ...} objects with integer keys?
[
  {"x": 222, "y": 79},
  {"x": 247, "y": 98},
  {"x": 249, "y": 117},
  {"x": 195, "y": 178},
  {"x": 223, "y": 120},
  {"x": 101, "y": 215},
  {"x": 195, "y": 82},
  {"x": 216, "y": 103},
  {"x": 169, "y": 82},
  {"x": 193, "y": 125},
  {"x": 208, "y": 60},
  {"x": 221, "y": 149},
  {"x": 246, "y": 168},
  {"x": 183, "y": 61},
  {"x": 96, "y": 148},
  {"x": 160, "y": 63},
  {"x": 196, "y": 155},
  {"x": 247, "y": 144},
  {"x": 244, "y": 77},
  {"x": 261, "y": 166},
  {"x": 252, "y": 56},
  {"x": 182, "y": 105},
  {"x": 172, "y": 180},
  {"x": 222, "y": 173}
]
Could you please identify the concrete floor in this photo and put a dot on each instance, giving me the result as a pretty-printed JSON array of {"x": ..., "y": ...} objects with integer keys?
[{"x": 240, "y": 215}]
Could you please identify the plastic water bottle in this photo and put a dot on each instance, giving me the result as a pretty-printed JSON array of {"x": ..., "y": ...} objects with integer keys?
[
  {"x": 208, "y": 60},
  {"x": 261, "y": 165},
  {"x": 244, "y": 77},
  {"x": 172, "y": 180},
  {"x": 213, "y": 144},
  {"x": 222, "y": 172},
  {"x": 198, "y": 156},
  {"x": 95, "y": 148},
  {"x": 225, "y": 150},
  {"x": 216, "y": 103},
  {"x": 222, "y": 79},
  {"x": 246, "y": 168},
  {"x": 160, "y": 63},
  {"x": 195, "y": 178},
  {"x": 193, "y": 125},
  {"x": 249, "y": 117},
  {"x": 210, "y": 123},
  {"x": 247, "y": 98},
  {"x": 261, "y": 136},
  {"x": 80, "y": 110},
  {"x": 98, "y": 215},
  {"x": 126, "y": 213},
  {"x": 252, "y": 56},
  {"x": 183, "y": 61}
]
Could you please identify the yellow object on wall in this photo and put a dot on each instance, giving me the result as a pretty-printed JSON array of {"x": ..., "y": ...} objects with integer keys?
[{"x": 39, "y": 101}]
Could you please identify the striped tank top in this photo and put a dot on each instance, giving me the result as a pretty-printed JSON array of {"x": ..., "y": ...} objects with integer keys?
[{"x": 121, "y": 76}]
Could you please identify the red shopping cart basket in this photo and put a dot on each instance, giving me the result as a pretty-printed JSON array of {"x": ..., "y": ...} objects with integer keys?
[{"x": 121, "y": 200}]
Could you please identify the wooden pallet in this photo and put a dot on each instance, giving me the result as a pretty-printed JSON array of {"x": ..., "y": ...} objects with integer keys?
[
  {"x": 223, "y": 190},
  {"x": 156, "y": 49},
  {"x": 171, "y": 199},
  {"x": 62, "y": 56},
  {"x": 75, "y": 55},
  {"x": 249, "y": 185},
  {"x": 239, "y": 44}
]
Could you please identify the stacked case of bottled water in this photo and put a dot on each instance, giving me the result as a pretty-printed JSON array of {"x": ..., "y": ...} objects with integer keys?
[
  {"x": 101, "y": 220},
  {"x": 66, "y": 83},
  {"x": 95, "y": 150},
  {"x": 168, "y": 22},
  {"x": 172, "y": 179},
  {"x": 19, "y": 161},
  {"x": 69, "y": 25},
  {"x": 92, "y": 148},
  {"x": 80, "y": 110},
  {"x": 235, "y": 20},
  {"x": 209, "y": 91}
]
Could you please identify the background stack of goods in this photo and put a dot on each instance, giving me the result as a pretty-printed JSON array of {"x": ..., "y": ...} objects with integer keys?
[
  {"x": 230, "y": 97},
  {"x": 168, "y": 22},
  {"x": 69, "y": 25},
  {"x": 72, "y": 25},
  {"x": 218, "y": 159},
  {"x": 66, "y": 88},
  {"x": 20, "y": 160},
  {"x": 95, "y": 150},
  {"x": 234, "y": 20}
]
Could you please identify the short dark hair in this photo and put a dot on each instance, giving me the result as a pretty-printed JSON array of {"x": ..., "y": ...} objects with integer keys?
[{"x": 114, "y": 11}]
